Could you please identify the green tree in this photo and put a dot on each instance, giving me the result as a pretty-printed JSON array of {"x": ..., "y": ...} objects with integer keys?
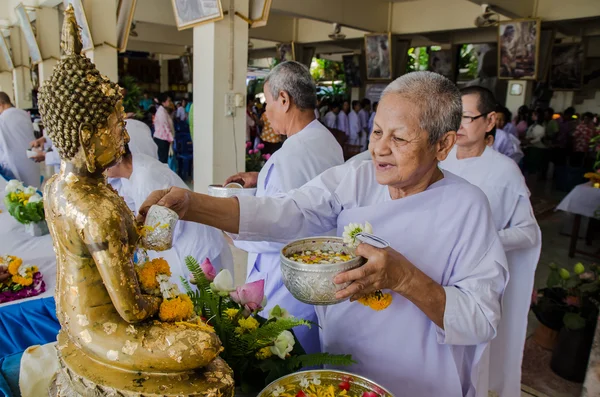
[
  {"x": 418, "y": 59},
  {"x": 468, "y": 62}
]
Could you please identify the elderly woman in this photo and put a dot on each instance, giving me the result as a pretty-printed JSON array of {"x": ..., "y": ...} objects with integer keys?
[{"x": 445, "y": 269}]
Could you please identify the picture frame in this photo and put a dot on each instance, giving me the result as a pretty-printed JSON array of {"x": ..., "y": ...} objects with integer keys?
[
  {"x": 190, "y": 13},
  {"x": 25, "y": 24},
  {"x": 378, "y": 56},
  {"x": 352, "y": 70},
  {"x": 125, "y": 14},
  {"x": 6, "y": 55},
  {"x": 443, "y": 62},
  {"x": 259, "y": 12},
  {"x": 518, "y": 49},
  {"x": 87, "y": 41},
  {"x": 286, "y": 52},
  {"x": 566, "y": 75}
]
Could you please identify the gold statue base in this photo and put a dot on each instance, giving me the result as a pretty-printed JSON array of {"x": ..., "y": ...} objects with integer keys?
[{"x": 81, "y": 376}]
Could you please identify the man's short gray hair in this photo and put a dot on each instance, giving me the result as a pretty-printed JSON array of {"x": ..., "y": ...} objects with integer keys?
[
  {"x": 295, "y": 79},
  {"x": 437, "y": 98}
]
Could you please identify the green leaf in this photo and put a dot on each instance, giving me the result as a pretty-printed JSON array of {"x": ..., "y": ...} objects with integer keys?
[
  {"x": 266, "y": 334},
  {"x": 573, "y": 321},
  {"x": 589, "y": 288},
  {"x": 319, "y": 359},
  {"x": 553, "y": 279}
]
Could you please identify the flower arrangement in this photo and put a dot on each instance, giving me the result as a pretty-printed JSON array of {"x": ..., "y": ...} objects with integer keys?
[
  {"x": 153, "y": 277},
  {"x": 323, "y": 384},
  {"x": 258, "y": 349},
  {"x": 23, "y": 203},
  {"x": 17, "y": 280},
  {"x": 254, "y": 159},
  {"x": 594, "y": 178},
  {"x": 377, "y": 300}
]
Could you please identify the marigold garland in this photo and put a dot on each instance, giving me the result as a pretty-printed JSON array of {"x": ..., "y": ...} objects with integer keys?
[
  {"x": 180, "y": 308},
  {"x": 377, "y": 300},
  {"x": 148, "y": 271},
  {"x": 14, "y": 264}
]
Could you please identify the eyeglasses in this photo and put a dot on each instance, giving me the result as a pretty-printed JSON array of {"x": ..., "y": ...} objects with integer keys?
[{"x": 469, "y": 119}]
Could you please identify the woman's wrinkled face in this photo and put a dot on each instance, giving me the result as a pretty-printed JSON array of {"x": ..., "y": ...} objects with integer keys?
[
  {"x": 401, "y": 151},
  {"x": 113, "y": 139}
]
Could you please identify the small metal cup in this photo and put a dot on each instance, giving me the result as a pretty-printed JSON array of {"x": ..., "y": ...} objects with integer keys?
[{"x": 160, "y": 226}]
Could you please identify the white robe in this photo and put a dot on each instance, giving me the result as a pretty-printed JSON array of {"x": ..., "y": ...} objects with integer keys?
[
  {"x": 446, "y": 231},
  {"x": 364, "y": 156},
  {"x": 355, "y": 128},
  {"x": 190, "y": 238},
  {"x": 364, "y": 116},
  {"x": 302, "y": 157},
  {"x": 330, "y": 120},
  {"x": 141, "y": 138},
  {"x": 502, "y": 182},
  {"x": 508, "y": 145},
  {"x": 16, "y": 133},
  {"x": 343, "y": 123}
]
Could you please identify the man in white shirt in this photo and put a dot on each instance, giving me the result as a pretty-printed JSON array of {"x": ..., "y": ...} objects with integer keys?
[
  {"x": 309, "y": 149},
  {"x": 16, "y": 133},
  {"x": 331, "y": 117},
  {"x": 139, "y": 175},
  {"x": 363, "y": 115},
  {"x": 355, "y": 126},
  {"x": 501, "y": 180},
  {"x": 343, "y": 123},
  {"x": 372, "y": 118}
]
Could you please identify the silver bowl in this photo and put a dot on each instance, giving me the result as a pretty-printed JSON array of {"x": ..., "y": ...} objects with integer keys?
[
  {"x": 313, "y": 284},
  {"x": 221, "y": 191},
  {"x": 358, "y": 384}
]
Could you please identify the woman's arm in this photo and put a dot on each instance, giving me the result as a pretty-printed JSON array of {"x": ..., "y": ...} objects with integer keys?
[{"x": 522, "y": 231}]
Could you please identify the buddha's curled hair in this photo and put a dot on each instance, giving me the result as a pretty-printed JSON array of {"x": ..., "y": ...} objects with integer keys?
[{"x": 76, "y": 93}]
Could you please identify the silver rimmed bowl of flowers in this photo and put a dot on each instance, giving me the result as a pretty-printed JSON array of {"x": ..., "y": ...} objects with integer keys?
[
  {"x": 230, "y": 190},
  {"x": 309, "y": 265},
  {"x": 324, "y": 382}
]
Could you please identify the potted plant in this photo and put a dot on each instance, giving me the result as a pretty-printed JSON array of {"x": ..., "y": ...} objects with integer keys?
[
  {"x": 258, "y": 349},
  {"x": 25, "y": 204},
  {"x": 255, "y": 160}
]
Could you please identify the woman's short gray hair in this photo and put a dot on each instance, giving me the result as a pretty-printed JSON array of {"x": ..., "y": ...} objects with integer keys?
[
  {"x": 295, "y": 79},
  {"x": 437, "y": 98}
]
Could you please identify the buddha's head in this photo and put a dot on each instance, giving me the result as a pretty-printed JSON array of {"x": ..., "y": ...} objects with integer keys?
[{"x": 82, "y": 110}]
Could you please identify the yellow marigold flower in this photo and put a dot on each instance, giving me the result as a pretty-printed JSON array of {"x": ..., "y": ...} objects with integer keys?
[
  {"x": 24, "y": 281},
  {"x": 148, "y": 271},
  {"x": 377, "y": 300},
  {"x": 239, "y": 330},
  {"x": 249, "y": 323},
  {"x": 176, "y": 309},
  {"x": 231, "y": 313},
  {"x": 13, "y": 266},
  {"x": 264, "y": 353}
]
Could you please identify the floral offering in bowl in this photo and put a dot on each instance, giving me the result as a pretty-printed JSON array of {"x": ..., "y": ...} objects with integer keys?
[
  {"x": 18, "y": 280},
  {"x": 323, "y": 383}
]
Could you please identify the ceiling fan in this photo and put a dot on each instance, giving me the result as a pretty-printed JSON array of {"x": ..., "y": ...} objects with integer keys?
[
  {"x": 487, "y": 18},
  {"x": 337, "y": 32}
]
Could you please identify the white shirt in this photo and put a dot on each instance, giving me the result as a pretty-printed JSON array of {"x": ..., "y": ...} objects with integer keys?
[
  {"x": 330, "y": 120},
  {"x": 190, "y": 238},
  {"x": 343, "y": 123},
  {"x": 301, "y": 158},
  {"x": 400, "y": 347},
  {"x": 140, "y": 138},
  {"x": 503, "y": 184},
  {"x": 181, "y": 114},
  {"x": 16, "y": 133},
  {"x": 536, "y": 133},
  {"x": 355, "y": 128}
]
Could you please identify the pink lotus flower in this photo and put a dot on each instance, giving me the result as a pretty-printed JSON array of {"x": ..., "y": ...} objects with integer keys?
[
  {"x": 249, "y": 295},
  {"x": 208, "y": 270},
  {"x": 252, "y": 151},
  {"x": 260, "y": 146},
  {"x": 266, "y": 156},
  {"x": 587, "y": 276},
  {"x": 573, "y": 301},
  {"x": 248, "y": 145}
]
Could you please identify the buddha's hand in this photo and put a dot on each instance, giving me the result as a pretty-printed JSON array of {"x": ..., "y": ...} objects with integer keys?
[
  {"x": 385, "y": 269},
  {"x": 246, "y": 179},
  {"x": 175, "y": 198}
]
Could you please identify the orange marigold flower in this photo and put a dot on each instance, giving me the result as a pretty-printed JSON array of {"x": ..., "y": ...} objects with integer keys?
[
  {"x": 148, "y": 271},
  {"x": 25, "y": 282},
  {"x": 13, "y": 266},
  {"x": 180, "y": 308},
  {"x": 377, "y": 300}
]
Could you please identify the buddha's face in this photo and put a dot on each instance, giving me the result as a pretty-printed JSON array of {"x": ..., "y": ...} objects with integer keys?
[{"x": 112, "y": 139}]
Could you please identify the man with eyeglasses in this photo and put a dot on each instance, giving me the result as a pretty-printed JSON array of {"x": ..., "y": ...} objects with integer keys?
[{"x": 502, "y": 182}]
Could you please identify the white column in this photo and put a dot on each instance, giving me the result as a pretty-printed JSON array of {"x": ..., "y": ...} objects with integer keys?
[
  {"x": 21, "y": 73},
  {"x": 102, "y": 18},
  {"x": 215, "y": 148},
  {"x": 6, "y": 85},
  {"x": 562, "y": 100},
  {"x": 164, "y": 73},
  {"x": 48, "y": 33}
]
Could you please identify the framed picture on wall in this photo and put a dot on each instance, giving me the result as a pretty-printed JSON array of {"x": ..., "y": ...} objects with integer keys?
[
  {"x": 6, "y": 56},
  {"x": 286, "y": 52},
  {"x": 518, "y": 49},
  {"x": 124, "y": 20},
  {"x": 442, "y": 62},
  {"x": 86, "y": 34},
  {"x": 29, "y": 34},
  {"x": 378, "y": 54},
  {"x": 352, "y": 70},
  {"x": 259, "y": 12},
  {"x": 190, "y": 13},
  {"x": 566, "y": 71},
  {"x": 373, "y": 91}
]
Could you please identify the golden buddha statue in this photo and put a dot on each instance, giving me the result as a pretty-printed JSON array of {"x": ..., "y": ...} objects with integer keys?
[{"x": 111, "y": 342}]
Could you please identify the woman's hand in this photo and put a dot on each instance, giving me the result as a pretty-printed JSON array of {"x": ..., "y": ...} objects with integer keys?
[
  {"x": 246, "y": 179},
  {"x": 385, "y": 269},
  {"x": 175, "y": 198}
]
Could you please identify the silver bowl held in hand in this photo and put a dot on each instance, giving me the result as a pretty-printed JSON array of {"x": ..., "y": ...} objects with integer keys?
[
  {"x": 230, "y": 190},
  {"x": 313, "y": 283}
]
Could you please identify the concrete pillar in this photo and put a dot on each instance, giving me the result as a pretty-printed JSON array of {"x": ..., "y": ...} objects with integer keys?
[
  {"x": 164, "y": 73},
  {"x": 21, "y": 74},
  {"x": 220, "y": 73},
  {"x": 513, "y": 102},
  {"x": 6, "y": 85},
  {"x": 561, "y": 100},
  {"x": 102, "y": 18},
  {"x": 48, "y": 33}
]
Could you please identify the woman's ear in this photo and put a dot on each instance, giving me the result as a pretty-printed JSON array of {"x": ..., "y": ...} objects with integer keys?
[{"x": 445, "y": 145}]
